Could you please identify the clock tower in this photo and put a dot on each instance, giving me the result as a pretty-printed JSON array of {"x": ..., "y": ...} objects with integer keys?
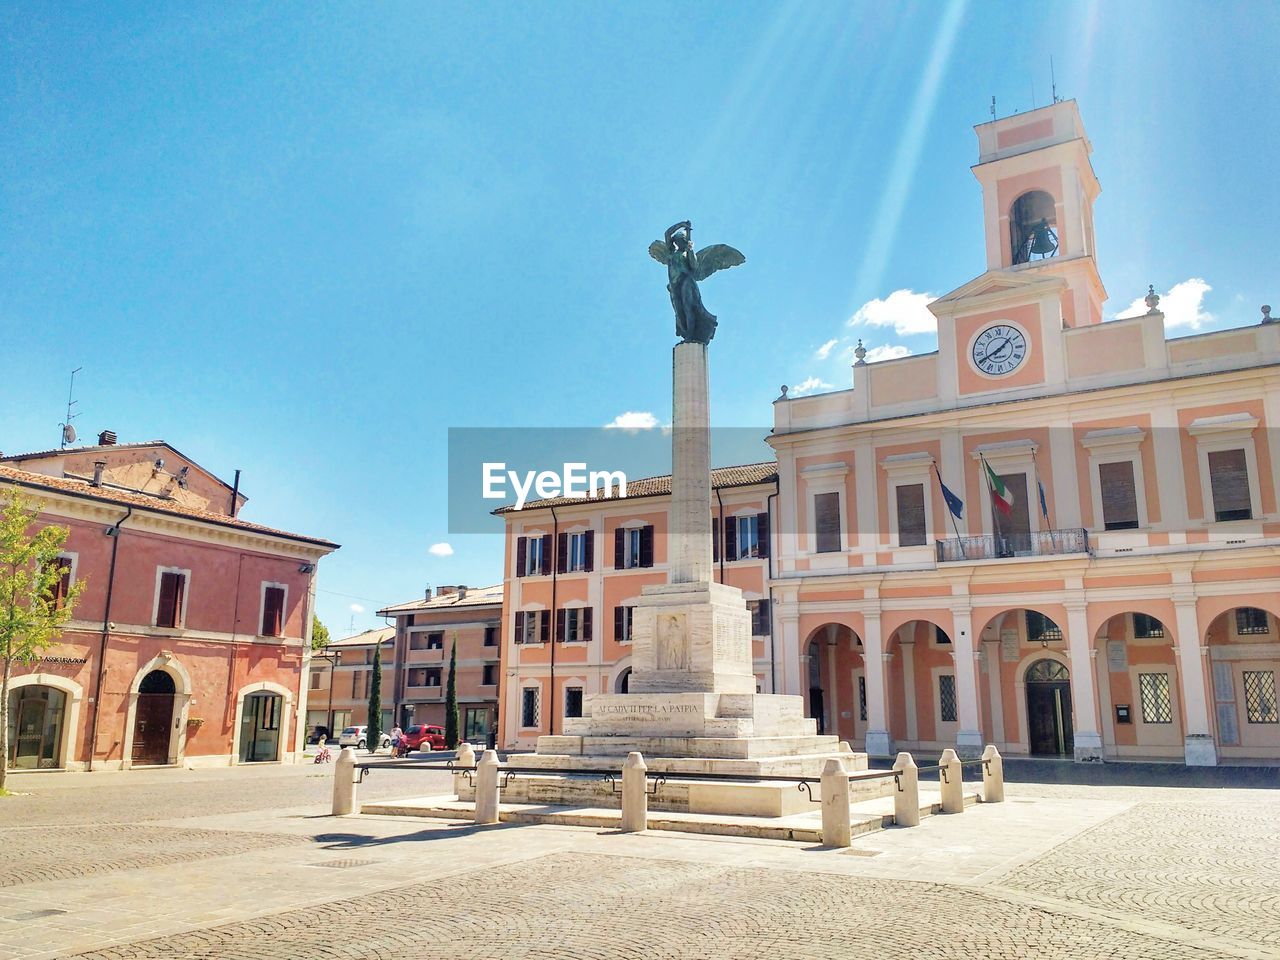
[{"x": 1004, "y": 329}]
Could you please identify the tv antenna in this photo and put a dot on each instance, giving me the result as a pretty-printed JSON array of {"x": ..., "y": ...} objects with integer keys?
[
  {"x": 1053, "y": 81},
  {"x": 993, "y": 106},
  {"x": 68, "y": 431}
]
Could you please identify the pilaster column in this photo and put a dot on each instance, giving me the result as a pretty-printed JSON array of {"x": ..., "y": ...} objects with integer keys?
[
  {"x": 1198, "y": 743},
  {"x": 994, "y": 691},
  {"x": 1084, "y": 700},
  {"x": 878, "y": 743},
  {"x": 792, "y": 670},
  {"x": 908, "y": 649},
  {"x": 969, "y": 736}
]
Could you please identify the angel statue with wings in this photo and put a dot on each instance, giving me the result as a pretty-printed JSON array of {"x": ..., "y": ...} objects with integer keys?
[{"x": 694, "y": 323}]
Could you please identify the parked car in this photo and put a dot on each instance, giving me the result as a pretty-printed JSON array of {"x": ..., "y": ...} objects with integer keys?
[
  {"x": 424, "y": 737},
  {"x": 358, "y": 737}
]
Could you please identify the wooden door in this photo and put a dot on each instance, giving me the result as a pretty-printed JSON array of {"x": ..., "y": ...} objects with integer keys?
[{"x": 1049, "y": 719}]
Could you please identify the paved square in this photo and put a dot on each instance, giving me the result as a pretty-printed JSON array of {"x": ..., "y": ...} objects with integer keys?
[{"x": 243, "y": 864}]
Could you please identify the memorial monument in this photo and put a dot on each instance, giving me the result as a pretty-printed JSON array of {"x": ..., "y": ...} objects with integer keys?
[{"x": 692, "y": 704}]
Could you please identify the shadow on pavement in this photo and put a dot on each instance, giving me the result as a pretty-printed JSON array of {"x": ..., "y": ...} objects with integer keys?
[{"x": 1122, "y": 773}]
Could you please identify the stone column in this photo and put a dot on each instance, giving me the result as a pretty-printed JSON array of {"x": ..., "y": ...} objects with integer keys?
[
  {"x": 873, "y": 656},
  {"x": 1198, "y": 743},
  {"x": 836, "y": 823},
  {"x": 487, "y": 788},
  {"x": 993, "y": 689},
  {"x": 689, "y": 538},
  {"x": 635, "y": 798},
  {"x": 1084, "y": 700},
  {"x": 969, "y": 736},
  {"x": 344, "y": 783},
  {"x": 907, "y": 648}
]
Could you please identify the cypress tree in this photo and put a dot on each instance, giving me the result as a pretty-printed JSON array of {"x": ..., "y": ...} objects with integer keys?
[
  {"x": 451, "y": 701},
  {"x": 375, "y": 700}
]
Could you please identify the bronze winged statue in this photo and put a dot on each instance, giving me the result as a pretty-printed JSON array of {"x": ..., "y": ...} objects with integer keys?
[{"x": 694, "y": 323}]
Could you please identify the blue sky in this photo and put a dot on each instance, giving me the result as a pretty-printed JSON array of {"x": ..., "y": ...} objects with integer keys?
[{"x": 304, "y": 240}]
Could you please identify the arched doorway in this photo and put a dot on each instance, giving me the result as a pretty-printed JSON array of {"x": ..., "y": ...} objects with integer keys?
[
  {"x": 153, "y": 719},
  {"x": 1049, "y": 729},
  {"x": 817, "y": 699},
  {"x": 623, "y": 683},
  {"x": 1245, "y": 682},
  {"x": 260, "y": 722},
  {"x": 37, "y": 717}
]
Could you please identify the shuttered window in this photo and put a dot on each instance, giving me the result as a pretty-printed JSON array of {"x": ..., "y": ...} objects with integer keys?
[
  {"x": 826, "y": 511},
  {"x": 911, "y": 532},
  {"x": 761, "y": 622},
  {"x": 62, "y": 586},
  {"x": 633, "y": 547},
  {"x": 1119, "y": 495},
  {"x": 273, "y": 611},
  {"x": 169, "y": 609},
  {"x": 573, "y": 701},
  {"x": 623, "y": 619},
  {"x": 1229, "y": 481}
]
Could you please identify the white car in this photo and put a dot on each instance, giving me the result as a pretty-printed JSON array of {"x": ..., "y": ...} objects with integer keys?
[{"x": 358, "y": 737}]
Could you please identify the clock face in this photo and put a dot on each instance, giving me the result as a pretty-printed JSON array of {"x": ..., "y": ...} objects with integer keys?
[{"x": 999, "y": 350}]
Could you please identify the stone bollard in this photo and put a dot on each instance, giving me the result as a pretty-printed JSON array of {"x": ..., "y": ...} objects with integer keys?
[
  {"x": 635, "y": 798},
  {"x": 344, "y": 783},
  {"x": 951, "y": 781},
  {"x": 992, "y": 775},
  {"x": 465, "y": 760},
  {"x": 487, "y": 788},
  {"x": 906, "y": 798},
  {"x": 836, "y": 831}
]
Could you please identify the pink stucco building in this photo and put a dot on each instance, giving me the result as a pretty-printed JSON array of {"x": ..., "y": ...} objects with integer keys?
[
  {"x": 189, "y": 645},
  {"x": 1125, "y": 604}
]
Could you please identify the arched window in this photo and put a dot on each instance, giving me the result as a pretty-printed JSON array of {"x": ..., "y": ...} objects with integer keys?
[
  {"x": 1033, "y": 227},
  {"x": 1046, "y": 671}
]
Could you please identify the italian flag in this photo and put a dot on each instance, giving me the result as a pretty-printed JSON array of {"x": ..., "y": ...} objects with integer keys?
[{"x": 1000, "y": 494}]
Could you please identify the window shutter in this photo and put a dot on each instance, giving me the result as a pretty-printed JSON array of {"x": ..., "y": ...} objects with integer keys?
[
  {"x": 618, "y": 546},
  {"x": 646, "y": 546},
  {"x": 590, "y": 550},
  {"x": 519, "y": 638},
  {"x": 522, "y": 545},
  {"x": 911, "y": 532},
  {"x": 546, "y": 554},
  {"x": 179, "y": 589},
  {"x": 1119, "y": 496},
  {"x": 562, "y": 553},
  {"x": 618, "y": 624},
  {"x": 731, "y": 539},
  {"x": 762, "y": 528},
  {"x": 826, "y": 509},
  {"x": 585, "y": 632},
  {"x": 170, "y": 601},
  {"x": 272, "y": 611},
  {"x": 1229, "y": 480},
  {"x": 766, "y": 618},
  {"x": 560, "y": 626},
  {"x": 715, "y": 539},
  {"x": 544, "y": 626}
]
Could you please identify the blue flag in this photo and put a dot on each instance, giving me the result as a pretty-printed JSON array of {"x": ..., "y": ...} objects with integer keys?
[
  {"x": 954, "y": 503},
  {"x": 1044, "y": 504}
]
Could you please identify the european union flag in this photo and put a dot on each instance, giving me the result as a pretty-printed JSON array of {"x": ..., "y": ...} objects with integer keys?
[{"x": 954, "y": 503}]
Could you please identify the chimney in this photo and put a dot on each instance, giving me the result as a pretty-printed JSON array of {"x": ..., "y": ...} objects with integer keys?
[
  {"x": 462, "y": 592},
  {"x": 427, "y": 593},
  {"x": 445, "y": 591},
  {"x": 107, "y": 438},
  {"x": 98, "y": 467}
]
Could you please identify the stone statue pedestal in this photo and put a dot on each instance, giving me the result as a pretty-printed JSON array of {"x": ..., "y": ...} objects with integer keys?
[{"x": 691, "y": 637}]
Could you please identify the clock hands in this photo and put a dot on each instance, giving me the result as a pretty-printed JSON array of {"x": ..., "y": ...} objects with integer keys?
[{"x": 994, "y": 352}]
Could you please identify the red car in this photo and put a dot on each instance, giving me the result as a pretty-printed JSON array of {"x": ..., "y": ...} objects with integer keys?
[{"x": 422, "y": 737}]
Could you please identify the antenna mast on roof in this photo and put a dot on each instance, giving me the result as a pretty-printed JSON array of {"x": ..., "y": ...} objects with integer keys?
[
  {"x": 993, "y": 106},
  {"x": 1053, "y": 80},
  {"x": 68, "y": 431}
]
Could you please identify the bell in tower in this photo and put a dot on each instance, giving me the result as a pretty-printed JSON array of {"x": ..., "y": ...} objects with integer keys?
[{"x": 1032, "y": 230}]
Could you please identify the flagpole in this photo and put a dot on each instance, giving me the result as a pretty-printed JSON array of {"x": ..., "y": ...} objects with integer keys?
[
  {"x": 1044, "y": 506},
  {"x": 997, "y": 533}
]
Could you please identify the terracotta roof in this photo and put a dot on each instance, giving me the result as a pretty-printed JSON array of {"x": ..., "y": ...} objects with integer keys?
[
  {"x": 366, "y": 639},
  {"x": 110, "y": 494},
  {"x": 101, "y": 447},
  {"x": 722, "y": 478},
  {"x": 476, "y": 597}
]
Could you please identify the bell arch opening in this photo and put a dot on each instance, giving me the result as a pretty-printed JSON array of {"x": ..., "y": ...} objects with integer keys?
[{"x": 1033, "y": 227}]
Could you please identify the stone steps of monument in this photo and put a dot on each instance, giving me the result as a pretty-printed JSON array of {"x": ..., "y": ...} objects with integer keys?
[
  {"x": 868, "y": 816},
  {"x": 808, "y": 766},
  {"x": 729, "y": 748}
]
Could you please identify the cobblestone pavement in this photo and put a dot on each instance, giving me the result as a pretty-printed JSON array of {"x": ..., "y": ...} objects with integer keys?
[
  {"x": 573, "y": 905},
  {"x": 1212, "y": 866},
  {"x": 40, "y": 854},
  {"x": 221, "y": 865}
]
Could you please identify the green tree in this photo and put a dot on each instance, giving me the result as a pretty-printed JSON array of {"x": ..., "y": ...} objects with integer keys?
[
  {"x": 33, "y": 610},
  {"x": 319, "y": 634},
  {"x": 451, "y": 700},
  {"x": 375, "y": 699}
]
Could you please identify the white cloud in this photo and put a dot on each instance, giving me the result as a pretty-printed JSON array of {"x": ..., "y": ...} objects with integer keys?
[
  {"x": 904, "y": 310},
  {"x": 1182, "y": 305},
  {"x": 808, "y": 385},
  {"x": 889, "y": 352},
  {"x": 633, "y": 421},
  {"x": 356, "y": 608},
  {"x": 824, "y": 351},
  {"x": 440, "y": 550}
]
